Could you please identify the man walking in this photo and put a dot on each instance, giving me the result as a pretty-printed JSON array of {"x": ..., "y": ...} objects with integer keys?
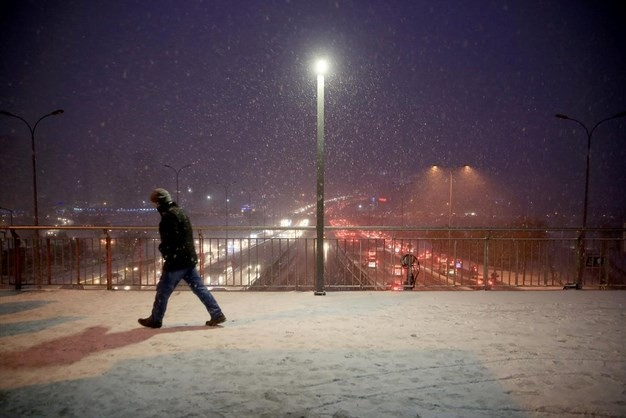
[{"x": 179, "y": 262}]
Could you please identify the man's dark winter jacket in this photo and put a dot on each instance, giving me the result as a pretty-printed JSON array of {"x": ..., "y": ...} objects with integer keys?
[{"x": 176, "y": 238}]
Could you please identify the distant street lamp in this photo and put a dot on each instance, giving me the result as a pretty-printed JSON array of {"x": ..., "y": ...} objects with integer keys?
[
  {"x": 226, "y": 194},
  {"x": 249, "y": 193},
  {"x": 404, "y": 188},
  {"x": 226, "y": 187},
  {"x": 34, "y": 155},
  {"x": 581, "y": 237},
  {"x": 437, "y": 167},
  {"x": 450, "y": 256},
  {"x": 177, "y": 172},
  {"x": 321, "y": 67},
  {"x": 10, "y": 214}
]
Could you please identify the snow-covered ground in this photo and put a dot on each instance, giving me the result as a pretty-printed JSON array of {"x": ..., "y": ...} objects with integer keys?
[{"x": 81, "y": 353}]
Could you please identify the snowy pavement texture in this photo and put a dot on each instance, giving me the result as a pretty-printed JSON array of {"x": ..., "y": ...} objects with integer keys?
[{"x": 81, "y": 353}]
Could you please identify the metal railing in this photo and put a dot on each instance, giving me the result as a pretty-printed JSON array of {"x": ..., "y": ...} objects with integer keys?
[{"x": 283, "y": 258}]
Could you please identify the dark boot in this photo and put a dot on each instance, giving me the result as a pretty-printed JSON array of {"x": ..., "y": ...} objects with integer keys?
[
  {"x": 149, "y": 322},
  {"x": 216, "y": 321}
]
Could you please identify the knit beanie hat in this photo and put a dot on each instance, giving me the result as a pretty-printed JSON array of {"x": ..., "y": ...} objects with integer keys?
[{"x": 160, "y": 196}]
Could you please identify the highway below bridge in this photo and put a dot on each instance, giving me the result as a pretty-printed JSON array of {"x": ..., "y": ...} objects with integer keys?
[{"x": 355, "y": 258}]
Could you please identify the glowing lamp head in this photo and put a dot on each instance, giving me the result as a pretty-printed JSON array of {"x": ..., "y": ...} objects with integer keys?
[{"x": 321, "y": 67}]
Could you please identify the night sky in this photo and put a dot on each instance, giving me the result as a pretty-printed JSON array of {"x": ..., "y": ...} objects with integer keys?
[{"x": 229, "y": 87}]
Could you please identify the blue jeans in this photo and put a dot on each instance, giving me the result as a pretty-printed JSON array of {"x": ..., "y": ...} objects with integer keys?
[{"x": 168, "y": 282}]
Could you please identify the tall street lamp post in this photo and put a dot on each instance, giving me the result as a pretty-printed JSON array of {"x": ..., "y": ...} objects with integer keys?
[
  {"x": 320, "y": 68},
  {"x": 404, "y": 188},
  {"x": 437, "y": 167},
  {"x": 226, "y": 188},
  {"x": 451, "y": 257},
  {"x": 177, "y": 172},
  {"x": 583, "y": 232},
  {"x": 37, "y": 259},
  {"x": 34, "y": 155},
  {"x": 450, "y": 203}
]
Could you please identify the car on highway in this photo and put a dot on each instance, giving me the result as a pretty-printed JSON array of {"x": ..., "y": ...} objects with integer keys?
[
  {"x": 425, "y": 255},
  {"x": 491, "y": 281},
  {"x": 447, "y": 269},
  {"x": 474, "y": 271},
  {"x": 397, "y": 270},
  {"x": 371, "y": 259}
]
